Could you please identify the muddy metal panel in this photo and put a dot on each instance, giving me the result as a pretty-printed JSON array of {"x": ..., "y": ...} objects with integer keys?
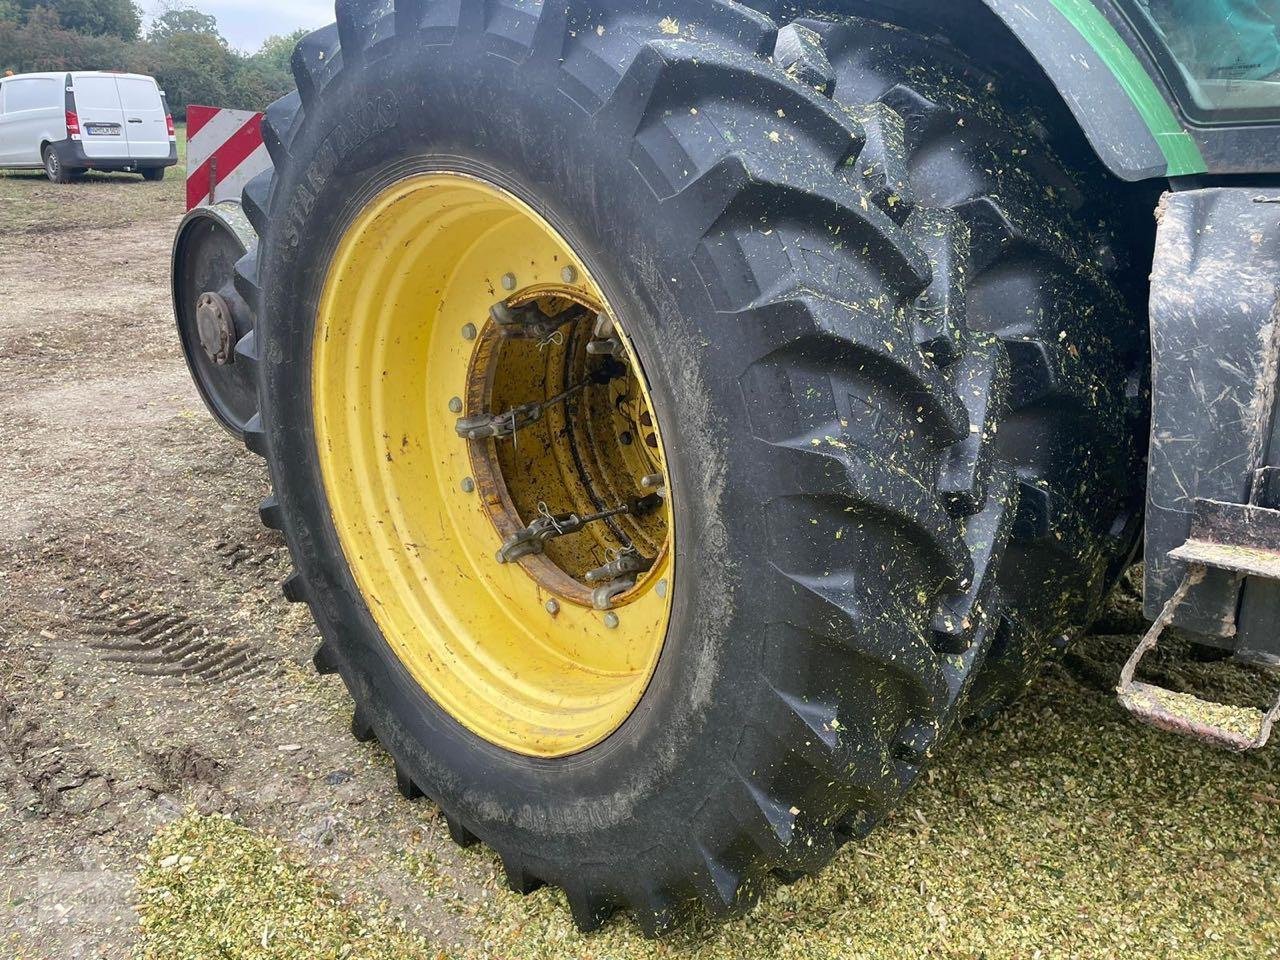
[
  {"x": 1215, "y": 335},
  {"x": 1259, "y": 634}
]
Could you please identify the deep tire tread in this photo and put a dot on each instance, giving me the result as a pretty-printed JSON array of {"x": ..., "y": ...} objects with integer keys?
[
  {"x": 883, "y": 162},
  {"x": 316, "y": 62},
  {"x": 279, "y": 124},
  {"x": 361, "y": 727},
  {"x": 255, "y": 437},
  {"x": 324, "y": 660},
  {"x": 255, "y": 201},
  {"x": 458, "y": 832},
  {"x": 519, "y": 879},
  {"x": 1010, "y": 235},
  {"x": 408, "y": 788},
  {"x": 270, "y": 514},
  {"x": 246, "y": 281}
]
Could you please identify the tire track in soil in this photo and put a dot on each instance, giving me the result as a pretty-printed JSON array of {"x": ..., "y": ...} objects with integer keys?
[{"x": 157, "y": 640}]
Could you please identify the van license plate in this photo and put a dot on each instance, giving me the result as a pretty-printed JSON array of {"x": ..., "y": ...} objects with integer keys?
[{"x": 103, "y": 129}]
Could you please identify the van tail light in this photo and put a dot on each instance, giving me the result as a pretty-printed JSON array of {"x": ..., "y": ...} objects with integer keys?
[
  {"x": 73, "y": 125},
  {"x": 173, "y": 133}
]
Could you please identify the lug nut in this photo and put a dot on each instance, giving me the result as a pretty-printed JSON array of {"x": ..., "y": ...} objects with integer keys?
[
  {"x": 469, "y": 332},
  {"x": 569, "y": 275},
  {"x": 455, "y": 405},
  {"x": 611, "y": 620},
  {"x": 508, "y": 281},
  {"x": 468, "y": 485},
  {"x": 553, "y": 607}
]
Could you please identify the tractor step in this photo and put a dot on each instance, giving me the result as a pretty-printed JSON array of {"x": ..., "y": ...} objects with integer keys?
[
  {"x": 1240, "y": 539},
  {"x": 1217, "y": 724},
  {"x": 1235, "y": 537}
]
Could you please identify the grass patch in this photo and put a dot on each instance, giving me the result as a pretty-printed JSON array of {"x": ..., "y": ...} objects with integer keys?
[
  {"x": 210, "y": 888},
  {"x": 30, "y": 204},
  {"x": 1065, "y": 831}
]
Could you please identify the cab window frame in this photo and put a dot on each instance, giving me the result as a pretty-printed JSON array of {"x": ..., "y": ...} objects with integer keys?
[{"x": 1172, "y": 72}]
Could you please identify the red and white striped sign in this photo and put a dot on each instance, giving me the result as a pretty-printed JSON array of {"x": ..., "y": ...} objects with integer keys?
[{"x": 224, "y": 152}]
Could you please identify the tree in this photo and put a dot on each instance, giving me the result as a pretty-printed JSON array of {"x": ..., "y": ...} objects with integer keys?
[
  {"x": 183, "y": 20},
  {"x": 277, "y": 50},
  {"x": 183, "y": 50},
  {"x": 265, "y": 76},
  {"x": 40, "y": 44},
  {"x": 255, "y": 83},
  {"x": 192, "y": 68},
  {"x": 95, "y": 18}
]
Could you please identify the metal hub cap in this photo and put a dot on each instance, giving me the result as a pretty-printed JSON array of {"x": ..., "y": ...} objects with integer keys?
[
  {"x": 493, "y": 465},
  {"x": 216, "y": 328}
]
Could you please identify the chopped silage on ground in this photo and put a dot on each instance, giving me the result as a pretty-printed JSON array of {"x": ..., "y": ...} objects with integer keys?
[{"x": 1065, "y": 830}]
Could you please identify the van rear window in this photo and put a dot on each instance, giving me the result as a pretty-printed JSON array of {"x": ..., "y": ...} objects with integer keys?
[
  {"x": 138, "y": 94},
  {"x": 34, "y": 94},
  {"x": 97, "y": 93}
]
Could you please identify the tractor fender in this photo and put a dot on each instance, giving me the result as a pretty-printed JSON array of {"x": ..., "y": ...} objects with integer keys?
[
  {"x": 1086, "y": 50},
  {"x": 1123, "y": 113}
]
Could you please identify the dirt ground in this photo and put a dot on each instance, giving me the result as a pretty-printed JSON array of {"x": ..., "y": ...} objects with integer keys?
[{"x": 152, "y": 676}]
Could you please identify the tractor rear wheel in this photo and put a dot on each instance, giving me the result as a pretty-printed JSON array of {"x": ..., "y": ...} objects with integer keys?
[{"x": 637, "y": 451}]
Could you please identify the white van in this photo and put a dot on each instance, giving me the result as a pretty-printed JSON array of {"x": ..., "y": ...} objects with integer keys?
[{"x": 72, "y": 122}]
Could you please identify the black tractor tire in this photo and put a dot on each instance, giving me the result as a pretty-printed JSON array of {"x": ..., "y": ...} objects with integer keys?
[
  {"x": 54, "y": 169},
  {"x": 839, "y": 327},
  {"x": 153, "y": 174}
]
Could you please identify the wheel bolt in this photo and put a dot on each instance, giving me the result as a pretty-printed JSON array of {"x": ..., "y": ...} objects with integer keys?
[
  {"x": 508, "y": 281},
  {"x": 553, "y": 607},
  {"x": 569, "y": 275},
  {"x": 468, "y": 485},
  {"x": 611, "y": 620},
  {"x": 455, "y": 405},
  {"x": 469, "y": 332}
]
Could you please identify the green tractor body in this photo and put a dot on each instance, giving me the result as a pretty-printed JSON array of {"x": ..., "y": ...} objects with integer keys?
[{"x": 1167, "y": 88}]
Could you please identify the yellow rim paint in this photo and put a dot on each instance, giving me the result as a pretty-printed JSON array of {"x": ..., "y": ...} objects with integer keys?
[{"x": 514, "y": 651}]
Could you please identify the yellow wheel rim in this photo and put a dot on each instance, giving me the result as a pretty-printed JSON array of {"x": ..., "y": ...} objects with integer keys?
[{"x": 527, "y": 653}]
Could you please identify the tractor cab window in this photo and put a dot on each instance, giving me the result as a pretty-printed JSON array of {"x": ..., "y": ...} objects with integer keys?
[{"x": 1222, "y": 56}]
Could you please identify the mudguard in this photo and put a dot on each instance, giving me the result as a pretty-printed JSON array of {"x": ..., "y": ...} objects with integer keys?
[
  {"x": 1215, "y": 436},
  {"x": 1109, "y": 74},
  {"x": 1125, "y": 116}
]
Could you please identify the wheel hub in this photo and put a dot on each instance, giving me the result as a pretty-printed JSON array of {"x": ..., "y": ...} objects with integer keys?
[
  {"x": 210, "y": 316},
  {"x": 580, "y": 461},
  {"x": 493, "y": 464},
  {"x": 216, "y": 328}
]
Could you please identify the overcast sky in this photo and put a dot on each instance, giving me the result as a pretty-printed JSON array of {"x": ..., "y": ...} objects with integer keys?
[{"x": 246, "y": 23}]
